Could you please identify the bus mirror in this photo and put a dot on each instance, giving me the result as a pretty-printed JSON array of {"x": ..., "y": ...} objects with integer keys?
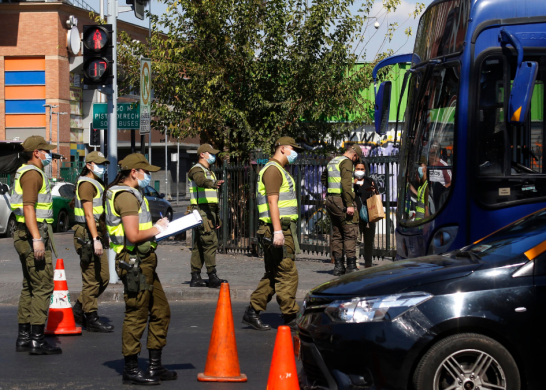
[
  {"x": 382, "y": 106},
  {"x": 522, "y": 92}
]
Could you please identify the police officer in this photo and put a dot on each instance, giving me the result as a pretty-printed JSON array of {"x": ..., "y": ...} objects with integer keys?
[
  {"x": 88, "y": 239},
  {"x": 340, "y": 204},
  {"x": 278, "y": 214},
  {"x": 32, "y": 205},
  {"x": 204, "y": 197},
  {"x": 132, "y": 237}
]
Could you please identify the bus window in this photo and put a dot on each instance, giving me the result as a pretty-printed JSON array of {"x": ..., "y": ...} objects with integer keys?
[
  {"x": 510, "y": 158},
  {"x": 429, "y": 164}
]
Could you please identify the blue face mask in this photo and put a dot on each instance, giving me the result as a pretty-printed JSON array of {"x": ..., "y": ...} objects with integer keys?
[
  {"x": 48, "y": 159},
  {"x": 211, "y": 159},
  {"x": 420, "y": 171},
  {"x": 144, "y": 182},
  {"x": 292, "y": 157},
  {"x": 99, "y": 170}
]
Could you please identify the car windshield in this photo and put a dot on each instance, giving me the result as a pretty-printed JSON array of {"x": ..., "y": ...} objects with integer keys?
[{"x": 513, "y": 240}]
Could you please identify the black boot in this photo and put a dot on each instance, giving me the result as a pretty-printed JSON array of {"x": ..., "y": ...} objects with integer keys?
[
  {"x": 38, "y": 344},
  {"x": 132, "y": 375},
  {"x": 23, "y": 339},
  {"x": 290, "y": 320},
  {"x": 339, "y": 268},
  {"x": 252, "y": 318},
  {"x": 196, "y": 280},
  {"x": 78, "y": 313},
  {"x": 351, "y": 265},
  {"x": 156, "y": 368},
  {"x": 214, "y": 281},
  {"x": 95, "y": 325}
]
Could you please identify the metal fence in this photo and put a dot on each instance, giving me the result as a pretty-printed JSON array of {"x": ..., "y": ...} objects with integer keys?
[
  {"x": 70, "y": 171},
  {"x": 239, "y": 211},
  {"x": 7, "y": 178}
]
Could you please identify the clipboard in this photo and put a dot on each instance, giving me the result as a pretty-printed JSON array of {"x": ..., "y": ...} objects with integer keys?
[{"x": 180, "y": 225}]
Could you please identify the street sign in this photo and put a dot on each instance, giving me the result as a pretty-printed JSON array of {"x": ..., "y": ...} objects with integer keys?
[
  {"x": 128, "y": 116},
  {"x": 145, "y": 95}
]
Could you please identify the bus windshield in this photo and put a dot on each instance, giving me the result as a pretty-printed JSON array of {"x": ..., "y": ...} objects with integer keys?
[{"x": 427, "y": 160}]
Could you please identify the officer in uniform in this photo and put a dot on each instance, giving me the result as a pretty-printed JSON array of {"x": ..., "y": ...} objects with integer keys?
[
  {"x": 278, "y": 214},
  {"x": 32, "y": 205},
  {"x": 340, "y": 204},
  {"x": 88, "y": 242},
  {"x": 204, "y": 198},
  {"x": 132, "y": 237}
]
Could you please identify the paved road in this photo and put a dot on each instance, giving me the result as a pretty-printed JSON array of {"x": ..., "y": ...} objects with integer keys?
[{"x": 94, "y": 361}]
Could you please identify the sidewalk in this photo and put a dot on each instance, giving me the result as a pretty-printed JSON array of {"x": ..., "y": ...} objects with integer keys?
[{"x": 242, "y": 271}]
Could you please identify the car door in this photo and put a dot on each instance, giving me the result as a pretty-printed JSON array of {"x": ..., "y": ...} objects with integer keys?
[
  {"x": 152, "y": 197},
  {"x": 5, "y": 208}
]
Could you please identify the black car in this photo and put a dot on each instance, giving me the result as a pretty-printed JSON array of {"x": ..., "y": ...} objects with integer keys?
[
  {"x": 158, "y": 205},
  {"x": 474, "y": 318}
]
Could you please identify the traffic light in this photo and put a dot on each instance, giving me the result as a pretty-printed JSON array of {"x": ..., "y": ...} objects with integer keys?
[
  {"x": 138, "y": 7},
  {"x": 94, "y": 136},
  {"x": 97, "y": 55}
]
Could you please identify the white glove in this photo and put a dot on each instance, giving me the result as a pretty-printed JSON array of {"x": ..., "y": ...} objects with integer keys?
[
  {"x": 162, "y": 224},
  {"x": 278, "y": 238},
  {"x": 39, "y": 249},
  {"x": 97, "y": 245}
]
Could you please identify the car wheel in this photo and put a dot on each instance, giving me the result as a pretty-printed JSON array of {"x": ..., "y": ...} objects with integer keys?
[
  {"x": 12, "y": 227},
  {"x": 62, "y": 222},
  {"x": 169, "y": 214},
  {"x": 467, "y": 361}
]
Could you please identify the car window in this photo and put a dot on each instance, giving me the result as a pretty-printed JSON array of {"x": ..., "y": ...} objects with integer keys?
[
  {"x": 152, "y": 191},
  {"x": 67, "y": 191}
]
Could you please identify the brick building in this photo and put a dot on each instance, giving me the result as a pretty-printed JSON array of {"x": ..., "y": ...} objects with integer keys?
[{"x": 37, "y": 68}]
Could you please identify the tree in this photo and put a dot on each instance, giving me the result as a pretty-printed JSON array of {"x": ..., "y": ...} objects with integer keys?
[{"x": 241, "y": 73}]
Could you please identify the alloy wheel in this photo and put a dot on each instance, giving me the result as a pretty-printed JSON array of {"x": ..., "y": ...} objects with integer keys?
[{"x": 470, "y": 369}]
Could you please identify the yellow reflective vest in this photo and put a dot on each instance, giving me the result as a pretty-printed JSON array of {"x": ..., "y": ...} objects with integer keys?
[
  {"x": 44, "y": 204},
  {"x": 288, "y": 202},
  {"x": 113, "y": 219},
  {"x": 97, "y": 200},
  {"x": 200, "y": 195},
  {"x": 420, "y": 208},
  {"x": 334, "y": 175}
]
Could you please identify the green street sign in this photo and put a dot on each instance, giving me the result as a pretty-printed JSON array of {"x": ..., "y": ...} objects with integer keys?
[{"x": 128, "y": 116}]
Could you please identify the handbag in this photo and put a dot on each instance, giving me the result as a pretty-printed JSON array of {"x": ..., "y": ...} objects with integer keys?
[
  {"x": 364, "y": 213},
  {"x": 375, "y": 208}
]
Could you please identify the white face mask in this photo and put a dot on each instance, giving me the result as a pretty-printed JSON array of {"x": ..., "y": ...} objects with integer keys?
[
  {"x": 99, "y": 170},
  {"x": 359, "y": 174}
]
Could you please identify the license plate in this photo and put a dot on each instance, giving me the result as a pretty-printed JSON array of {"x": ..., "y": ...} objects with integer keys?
[{"x": 297, "y": 347}]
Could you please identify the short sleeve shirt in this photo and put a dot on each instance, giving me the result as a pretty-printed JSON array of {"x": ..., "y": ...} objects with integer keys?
[
  {"x": 87, "y": 191},
  {"x": 126, "y": 204},
  {"x": 31, "y": 183}
]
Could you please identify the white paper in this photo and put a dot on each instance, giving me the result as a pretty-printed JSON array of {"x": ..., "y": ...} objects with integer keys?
[{"x": 181, "y": 224}]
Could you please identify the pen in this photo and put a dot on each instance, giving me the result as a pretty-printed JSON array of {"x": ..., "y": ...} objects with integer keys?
[{"x": 161, "y": 214}]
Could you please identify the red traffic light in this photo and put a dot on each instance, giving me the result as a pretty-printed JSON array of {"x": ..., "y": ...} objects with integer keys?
[
  {"x": 97, "y": 69},
  {"x": 96, "y": 38}
]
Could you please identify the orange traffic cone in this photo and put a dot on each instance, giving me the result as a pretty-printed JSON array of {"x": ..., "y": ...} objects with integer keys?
[
  {"x": 60, "y": 319},
  {"x": 283, "y": 373},
  {"x": 222, "y": 360}
]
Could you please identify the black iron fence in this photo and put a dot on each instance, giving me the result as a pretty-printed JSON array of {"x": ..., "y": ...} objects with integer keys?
[{"x": 240, "y": 216}]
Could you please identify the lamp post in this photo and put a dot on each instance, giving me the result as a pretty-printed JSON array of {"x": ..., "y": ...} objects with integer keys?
[
  {"x": 51, "y": 107},
  {"x": 58, "y": 142}
]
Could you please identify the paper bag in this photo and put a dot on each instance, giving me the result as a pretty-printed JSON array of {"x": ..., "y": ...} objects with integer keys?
[{"x": 375, "y": 208}]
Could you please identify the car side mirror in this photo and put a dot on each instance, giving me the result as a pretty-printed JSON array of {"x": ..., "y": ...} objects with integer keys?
[
  {"x": 161, "y": 196},
  {"x": 3, "y": 189},
  {"x": 522, "y": 92},
  {"x": 382, "y": 107}
]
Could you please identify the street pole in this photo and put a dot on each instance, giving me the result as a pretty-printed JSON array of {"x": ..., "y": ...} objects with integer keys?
[
  {"x": 177, "y": 171},
  {"x": 51, "y": 107},
  {"x": 150, "y": 56},
  {"x": 166, "y": 163},
  {"x": 58, "y": 142},
  {"x": 100, "y": 94}
]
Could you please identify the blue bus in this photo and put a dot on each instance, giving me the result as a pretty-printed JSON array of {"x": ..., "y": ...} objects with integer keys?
[{"x": 471, "y": 158}]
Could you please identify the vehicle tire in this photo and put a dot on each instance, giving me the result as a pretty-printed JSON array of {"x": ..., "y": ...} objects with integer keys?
[
  {"x": 169, "y": 214},
  {"x": 62, "y": 222},
  {"x": 12, "y": 227},
  {"x": 479, "y": 361}
]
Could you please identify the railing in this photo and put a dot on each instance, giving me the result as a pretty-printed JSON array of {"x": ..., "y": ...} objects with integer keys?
[
  {"x": 239, "y": 211},
  {"x": 70, "y": 171},
  {"x": 81, "y": 4},
  {"x": 6, "y": 178}
]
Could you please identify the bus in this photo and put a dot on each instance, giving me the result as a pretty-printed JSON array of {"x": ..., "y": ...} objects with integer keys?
[{"x": 471, "y": 149}]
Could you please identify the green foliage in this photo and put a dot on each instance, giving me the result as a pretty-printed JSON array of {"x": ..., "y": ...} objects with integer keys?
[{"x": 241, "y": 73}]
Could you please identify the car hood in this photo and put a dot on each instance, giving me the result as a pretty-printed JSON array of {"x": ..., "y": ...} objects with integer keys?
[{"x": 398, "y": 276}]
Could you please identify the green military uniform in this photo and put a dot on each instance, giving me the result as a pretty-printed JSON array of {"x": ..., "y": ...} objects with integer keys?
[
  {"x": 281, "y": 275},
  {"x": 338, "y": 178},
  {"x": 136, "y": 263},
  {"x": 32, "y": 188},
  {"x": 95, "y": 272}
]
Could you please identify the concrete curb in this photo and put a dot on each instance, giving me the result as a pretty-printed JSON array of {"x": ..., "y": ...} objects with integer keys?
[{"x": 113, "y": 295}]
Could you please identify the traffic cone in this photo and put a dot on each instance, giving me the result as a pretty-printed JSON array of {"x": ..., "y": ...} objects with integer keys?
[
  {"x": 222, "y": 359},
  {"x": 60, "y": 319},
  {"x": 283, "y": 373}
]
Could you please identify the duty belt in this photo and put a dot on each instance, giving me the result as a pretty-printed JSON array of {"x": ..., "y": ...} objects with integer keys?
[{"x": 23, "y": 225}]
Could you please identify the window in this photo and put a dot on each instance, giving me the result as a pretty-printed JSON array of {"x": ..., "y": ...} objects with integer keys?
[
  {"x": 152, "y": 192},
  {"x": 428, "y": 164},
  {"x": 67, "y": 191},
  {"x": 509, "y": 158}
]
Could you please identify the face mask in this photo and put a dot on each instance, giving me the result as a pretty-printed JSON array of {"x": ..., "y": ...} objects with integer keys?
[
  {"x": 48, "y": 159},
  {"x": 211, "y": 159},
  {"x": 292, "y": 156},
  {"x": 98, "y": 170},
  {"x": 359, "y": 174},
  {"x": 144, "y": 182},
  {"x": 420, "y": 171}
]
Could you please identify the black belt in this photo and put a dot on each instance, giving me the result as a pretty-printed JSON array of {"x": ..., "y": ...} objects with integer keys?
[
  {"x": 23, "y": 225},
  {"x": 330, "y": 194}
]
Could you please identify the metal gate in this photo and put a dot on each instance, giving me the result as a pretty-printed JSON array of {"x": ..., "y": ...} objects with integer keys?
[{"x": 239, "y": 211}]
